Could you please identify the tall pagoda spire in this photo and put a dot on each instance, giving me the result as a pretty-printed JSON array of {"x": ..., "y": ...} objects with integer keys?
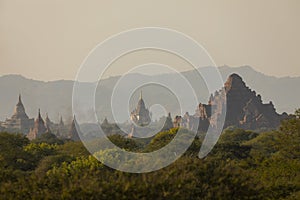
[
  {"x": 19, "y": 112},
  {"x": 61, "y": 122},
  {"x": 39, "y": 115},
  {"x": 48, "y": 123},
  {"x": 141, "y": 114},
  {"x": 19, "y": 119},
  {"x": 74, "y": 130},
  {"x": 20, "y": 99},
  {"x": 39, "y": 127},
  {"x": 141, "y": 95}
]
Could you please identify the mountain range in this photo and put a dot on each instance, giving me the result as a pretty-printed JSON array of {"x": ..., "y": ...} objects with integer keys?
[{"x": 55, "y": 97}]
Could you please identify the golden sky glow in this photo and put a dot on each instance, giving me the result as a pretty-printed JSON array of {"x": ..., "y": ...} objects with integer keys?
[{"x": 48, "y": 39}]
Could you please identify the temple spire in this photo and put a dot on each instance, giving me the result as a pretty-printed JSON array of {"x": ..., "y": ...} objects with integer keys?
[
  {"x": 19, "y": 111},
  {"x": 61, "y": 122},
  {"x": 141, "y": 114},
  {"x": 39, "y": 128},
  {"x": 74, "y": 130},
  {"x": 20, "y": 98},
  {"x": 47, "y": 120}
]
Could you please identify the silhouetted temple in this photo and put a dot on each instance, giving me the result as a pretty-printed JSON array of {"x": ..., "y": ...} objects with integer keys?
[
  {"x": 19, "y": 122},
  {"x": 245, "y": 109},
  {"x": 141, "y": 114},
  {"x": 38, "y": 129},
  {"x": 74, "y": 130}
]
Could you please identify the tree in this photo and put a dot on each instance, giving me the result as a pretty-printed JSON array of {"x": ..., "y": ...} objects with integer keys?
[
  {"x": 291, "y": 125},
  {"x": 297, "y": 113},
  {"x": 12, "y": 154},
  {"x": 49, "y": 138}
]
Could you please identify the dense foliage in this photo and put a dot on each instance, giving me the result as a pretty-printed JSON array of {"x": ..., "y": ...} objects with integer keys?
[{"x": 243, "y": 165}]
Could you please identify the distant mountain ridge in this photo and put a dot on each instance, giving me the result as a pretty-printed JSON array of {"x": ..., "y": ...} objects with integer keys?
[{"x": 55, "y": 97}]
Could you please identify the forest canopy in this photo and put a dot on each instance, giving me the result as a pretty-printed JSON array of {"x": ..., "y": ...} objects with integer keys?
[{"x": 242, "y": 165}]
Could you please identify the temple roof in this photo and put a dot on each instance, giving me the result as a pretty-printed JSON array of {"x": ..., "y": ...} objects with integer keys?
[
  {"x": 141, "y": 104},
  {"x": 19, "y": 112},
  {"x": 74, "y": 130},
  {"x": 61, "y": 122},
  {"x": 47, "y": 121},
  {"x": 39, "y": 119},
  {"x": 234, "y": 81},
  {"x": 39, "y": 127}
]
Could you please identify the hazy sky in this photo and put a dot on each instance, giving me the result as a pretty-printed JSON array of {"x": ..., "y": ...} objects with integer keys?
[{"x": 48, "y": 39}]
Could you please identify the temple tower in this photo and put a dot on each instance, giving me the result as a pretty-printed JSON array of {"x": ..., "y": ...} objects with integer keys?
[
  {"x": 39, "y": 128},
  {"x": 141, "y": 114},
  {"x": 74, "y": 130},
  {"x": 19, "y": 120}
]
